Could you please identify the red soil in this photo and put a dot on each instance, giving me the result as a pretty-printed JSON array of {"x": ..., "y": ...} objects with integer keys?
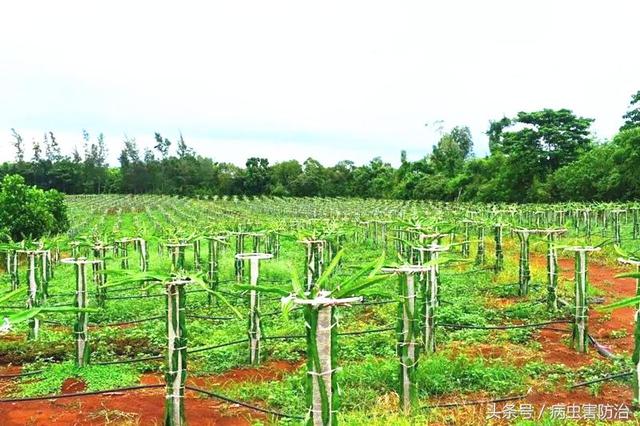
[
  {"x": 144, "y": 407},
  {"x": 602, "y": 325},
  {"x": 269, "y": 371},
  {"x": 540, "y": 402},
  {"x": 72, "y": 385}
]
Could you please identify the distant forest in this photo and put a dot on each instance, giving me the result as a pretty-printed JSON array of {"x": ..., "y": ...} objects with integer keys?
[{"x": 538, "y": 156}]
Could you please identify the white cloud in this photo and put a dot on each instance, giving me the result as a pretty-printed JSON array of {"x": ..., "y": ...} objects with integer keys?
[{"x": 332, "y": 80}]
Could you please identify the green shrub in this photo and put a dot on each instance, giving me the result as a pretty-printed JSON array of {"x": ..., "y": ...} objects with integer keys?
[{"x": 29, "y": 212}]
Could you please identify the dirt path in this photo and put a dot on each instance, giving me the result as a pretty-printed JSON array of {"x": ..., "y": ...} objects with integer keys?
[
  {"x": 611, "y": 329},
  {"x": 142, "y": 407},
  {"x": 606, "y": 328}
]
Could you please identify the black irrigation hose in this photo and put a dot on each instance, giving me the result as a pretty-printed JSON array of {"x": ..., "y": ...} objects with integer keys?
[
  {"x": 229, "y": 294},
  {"x": 503, "y": 327},
  {"x": 79, "y": 394},
  {"x": 13, "y": 376},
  {"x": 291, "y": 336},
  {"x": 561, "y": 330},
  {"x": 114, "y": 324},
  {"x": 357, "y": 333},
  {"x": 60, "y": 295},
  {"x": 54, "y": 323},
  {"x": 209, "y": 318},
  {"x": 502, "y": 286},
  {"x": 278, "y": 312},
  {"x": 346, "y": 333},
  {"x": 244, "y": 404},
  {"x": 478, "y": 402},
  {"x": 275, "y": 281},
  {"x": 472, "y": 271},
  {"x": 136, "y": 297},
  {"x": 129, "y": 361},
  {"x": 207, "y": 348},
  {"x": 201, "y": 290},
  {"x": 381, "y": 302},
  {"x": 602, "y": 379}
]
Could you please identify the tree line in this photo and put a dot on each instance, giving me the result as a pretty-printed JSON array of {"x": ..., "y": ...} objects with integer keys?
[{"x": 538, "y": 156}]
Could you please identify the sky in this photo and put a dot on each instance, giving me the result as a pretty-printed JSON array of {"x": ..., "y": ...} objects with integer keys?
[{"x": 332, "y": 80}]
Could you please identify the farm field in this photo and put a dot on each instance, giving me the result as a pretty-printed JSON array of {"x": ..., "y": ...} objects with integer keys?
[{"x": 362, "y": 312}]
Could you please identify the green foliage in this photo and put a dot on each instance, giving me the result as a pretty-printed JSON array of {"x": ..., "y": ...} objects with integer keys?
[
  {"x": 363, "y": 382},
  {"x": 96, "y": 377},
  {"x": 536, "y": 144},
  {"x": 593, "y": 176},
  {"x": 28, "y": 212},
  {"x": 632, "y": 116},
  {"x": 536, "y": 156}
]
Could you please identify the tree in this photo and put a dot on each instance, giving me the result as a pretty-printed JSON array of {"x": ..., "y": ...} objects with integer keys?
[
  {"x": 374, "y": 179},
  {"x": 627, "y": 160},
  {"x": 85, "y": 142},
  {"x": 75, "y": 155},
  {"x": 594, "y": 176},
  {"x": 462, "y": 137},
  {"x": 52, "y": 149},
  {"x": 163, "y": 145},
  {"x": 257, "y": 176},
  {"x": 448, "y": 156},
  {"x": 310, "y": 182},
  {"x": 535, "y": 144},
  {"x": 632, "y": 116},
  {"x": 95, "y": 164},
  {"x": 495, "y": 132},
  {"x": 134, "y": 173},
  {"x": 37, "y": 151},
  {"x": 339, "y": 179},
  {"x": 183, "y": 149},
  {"x": 283, "y": 175},
  {"x": 129, "y": 153},
  {"x": 18, "y": 144},
  {"x": 551, "y": 138},
  {"x": 29, "y": 212}
]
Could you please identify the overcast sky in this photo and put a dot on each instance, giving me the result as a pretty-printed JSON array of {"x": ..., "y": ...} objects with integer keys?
[{"x": 294, "y": 79}]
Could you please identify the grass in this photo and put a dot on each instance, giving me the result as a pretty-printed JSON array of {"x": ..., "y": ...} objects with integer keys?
[
  {"x": 369, "y": 362},
  {"x": 96, "y": 377}
]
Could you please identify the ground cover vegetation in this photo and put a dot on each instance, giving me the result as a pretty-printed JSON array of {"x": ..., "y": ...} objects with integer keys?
[{"x": 278, "y": 310}]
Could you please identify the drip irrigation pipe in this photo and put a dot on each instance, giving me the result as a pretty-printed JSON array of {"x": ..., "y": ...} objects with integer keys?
[
  {"x": 478, "y": 402},
  {"x": 503, "y": 327},
  {"x": 114, "y": 324},
  {"x": 13, "y": 376},
  {"x": 244, "y": 404},
  {"x": 136, "y": 297},
  {"x": 207, "y": 348},
  {"x": 210, "y": 318},
  {"x": 79, "y": 394},
  {"x": 602, "y": 379},
  {"x": 129, "y": 361}
]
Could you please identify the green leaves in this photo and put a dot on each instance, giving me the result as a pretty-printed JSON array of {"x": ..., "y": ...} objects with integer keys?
[
  {"x": 199, "y": 281},
  {"x": 123, "y": 277},
  {"x": 324, "y": 278},
  {"x": 11, "y": 294},
  {"x": 262, "y": 289},
  {"x": 27, "y": 314},
  {"x": 366, "y": 277},
  {"x": 624, "y": 303}
]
